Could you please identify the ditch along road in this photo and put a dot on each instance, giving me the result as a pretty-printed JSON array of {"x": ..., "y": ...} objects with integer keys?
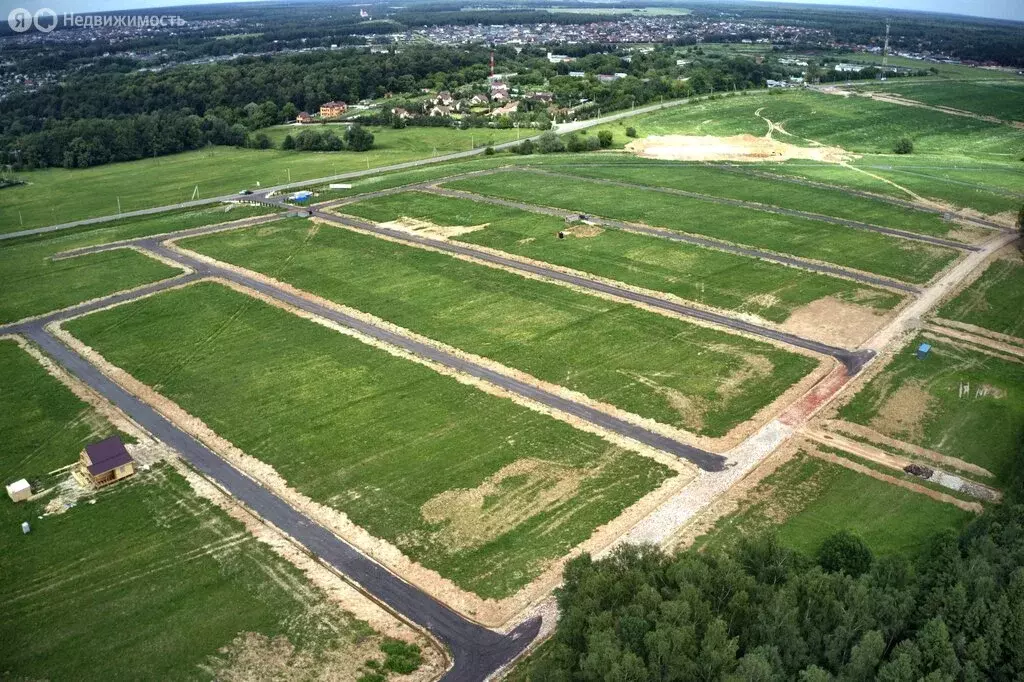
[
  {"x": 352, "y": 175},
  {"x": 672, "y": 235}
]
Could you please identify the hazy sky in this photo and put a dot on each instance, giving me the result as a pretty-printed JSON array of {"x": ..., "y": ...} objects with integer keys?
[{"x": 1002, "y": 9}]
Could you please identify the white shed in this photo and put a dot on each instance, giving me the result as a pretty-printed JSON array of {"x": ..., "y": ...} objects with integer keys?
[{"x": 19, "y": 490}]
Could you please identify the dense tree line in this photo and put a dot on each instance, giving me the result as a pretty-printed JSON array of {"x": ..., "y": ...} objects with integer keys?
[{"x": 761, "y": 612}]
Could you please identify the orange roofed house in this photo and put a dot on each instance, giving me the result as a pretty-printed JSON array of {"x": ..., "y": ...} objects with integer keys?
[
  {"x": 104, "y": 463},
  {"x": 332, "y": 109}
]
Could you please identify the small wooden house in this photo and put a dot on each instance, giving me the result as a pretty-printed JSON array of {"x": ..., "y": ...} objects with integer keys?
[{"x": 104, "y": 463}]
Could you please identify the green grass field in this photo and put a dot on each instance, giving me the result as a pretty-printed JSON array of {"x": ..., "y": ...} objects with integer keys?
[
  {"x": 400, "y": 449},
  {"x": 985, "y": 186},
  {"x": 645, "y": 363},
  {"x": 920, "y": 402},
  {"x": 719, "y": 279},
  {"x": 814, "y": 498},
  {"x": 1003, "y": 98},
  {"x": 57, "y": 195},
  {"x": 995, "y": 301},
  {"x": 149, "y": 582},
  {"x": 723, "y": 183},
  {"x": 854, "y": 123},
  {"x": 869, "y": 251},
  {"x": 33, "y": 284}
]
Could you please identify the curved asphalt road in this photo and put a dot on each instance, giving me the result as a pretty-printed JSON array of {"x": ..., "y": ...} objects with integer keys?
[
  {"x": 672, "y": 235},
  {"x": 477, "y": 651},
  {"x": 852, "y": 360},
  {"x": 793, "y": 213}
]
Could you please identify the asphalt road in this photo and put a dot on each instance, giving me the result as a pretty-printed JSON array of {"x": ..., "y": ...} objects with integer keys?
[
  {"x": 852, "y": 360},
  {"x": 476, "y": 651},
  {"x": 857, "y": 193},
  {"x": 793, "y": 213},
  {"x": 680, "y": 237}
]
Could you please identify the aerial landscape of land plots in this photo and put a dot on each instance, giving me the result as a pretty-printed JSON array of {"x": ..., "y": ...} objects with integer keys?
[{"x": 471, "y": 373}]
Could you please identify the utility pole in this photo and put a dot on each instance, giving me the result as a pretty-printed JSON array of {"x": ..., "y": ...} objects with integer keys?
[
  {"x": 289, "y": 174},
  {"x": 885, "y": 48},
  {"x": 119, "y": 205}
]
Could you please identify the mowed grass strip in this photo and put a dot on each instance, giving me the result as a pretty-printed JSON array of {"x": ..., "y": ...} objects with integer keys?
[
  {"x": 995, "y": 301},
  {"x": 1002, "y": 99},
  {"x": 931, "y": 179},
  {"x": 34, "y": 284},
  {"x": 807, "y": 499},
  {"x": 959, "y": 402},
  {"x": 705, "y": 179},
  {"x": 712, "y": 277},
  {"x": 148, "y": 579},
  {"x": 483, "y": 490},
  {"x": 857, "y": 124},
  {"x": 869, "y": 251},
  {"x": 655, "y": 366}
]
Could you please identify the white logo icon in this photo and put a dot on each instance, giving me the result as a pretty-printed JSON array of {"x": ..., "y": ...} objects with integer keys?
[
  {"x": 20, "y": 20},
  {"x": 45, "y": 20}
]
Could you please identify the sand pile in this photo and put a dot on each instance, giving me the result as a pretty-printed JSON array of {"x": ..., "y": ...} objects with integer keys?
[{"x": 735, "y": 148}]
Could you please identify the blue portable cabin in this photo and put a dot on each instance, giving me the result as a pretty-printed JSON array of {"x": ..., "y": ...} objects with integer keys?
[
  {"x": 301, "y": 197},
  {"x": 923, "y": 350}
]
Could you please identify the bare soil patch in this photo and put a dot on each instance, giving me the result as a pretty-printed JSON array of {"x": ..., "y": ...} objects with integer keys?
[
  {"x": 419, "y": 226},
  {"x": 833, "y": 321},
  {"x": 509, "y": 497},
  {"x": 904, "y": 411},
  {"x": 583, "y": 230},
  {"x": 740, "y": 148}
]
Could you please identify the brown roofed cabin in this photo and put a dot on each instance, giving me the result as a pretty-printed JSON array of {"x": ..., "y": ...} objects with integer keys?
[{"x": 104, "y": 463}]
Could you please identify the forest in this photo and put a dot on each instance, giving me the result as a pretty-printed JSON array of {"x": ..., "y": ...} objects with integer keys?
[{"x": 761, "y": 612}]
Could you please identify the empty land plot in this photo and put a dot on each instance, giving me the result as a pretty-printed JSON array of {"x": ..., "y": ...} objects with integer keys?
[
  {"x": 869, "y": 251},
  {"x": 479, "y": 488},
  {"x": 985, "y": 191},
  {"x": 959, "y": 402},
  {"x": 148, "y": 578},
  {"x": 1003, "y": 99},
  {"x": 34, "y": 284},
  {"x": 730, "y": 184},
  {"x": 655, "y": 366},
  {"x": 807, "y": 499},
  {"x": 718, "y": 279},
  {"x": 857, "y": 124},
  {"x": 995, "y": 301}
]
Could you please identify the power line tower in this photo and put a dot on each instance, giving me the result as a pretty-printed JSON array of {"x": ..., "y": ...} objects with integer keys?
[{"x": 885, "y": 49}]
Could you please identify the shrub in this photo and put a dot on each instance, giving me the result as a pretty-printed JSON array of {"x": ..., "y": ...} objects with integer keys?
[
  {"x": 549, "y": 143},
  {"x": 604, "y": 138},
  {"x": 844, "y": 551},
  {"x": 288, "y": 142},
  {"x": 358, "y": 138},
  {"x": 525, "y": 147},
  {"x": 630, "y": 131},
  {"x": 402, "y": 658},
  {"x": 573, "y": 143},
  {"x": 489, "y": 151},
  {"x": 903, "y": 146}
]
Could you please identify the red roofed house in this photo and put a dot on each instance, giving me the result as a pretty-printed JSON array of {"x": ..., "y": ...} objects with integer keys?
[
  {"x": 303, "y": 117},
  {"x": 332, "y": 109},
  {"x": 104, "y": 463}
]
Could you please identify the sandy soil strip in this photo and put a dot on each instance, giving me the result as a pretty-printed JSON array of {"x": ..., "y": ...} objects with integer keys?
[
  {"x": 977, "y": 339},
  {"x": 895, "y": 98},
  {"x": 974, "y": 507},
  {"x": 735, "y": 436},
  {"x": 489, "y": 612},
  {"x": 897, "y": 463},
  {"x": 833, "y": 426}
]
